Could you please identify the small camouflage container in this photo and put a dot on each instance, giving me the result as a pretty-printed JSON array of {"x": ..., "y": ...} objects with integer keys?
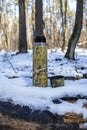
[
  {"x": 57, "y": 81},
  {"x": 40, "y": 62}
]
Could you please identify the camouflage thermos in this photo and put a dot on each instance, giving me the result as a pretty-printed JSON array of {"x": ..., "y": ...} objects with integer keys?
[{"x": 40, "y": 62}]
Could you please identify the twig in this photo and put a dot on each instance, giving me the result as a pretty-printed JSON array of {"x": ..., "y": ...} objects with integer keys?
[
  {"x": 39, "y": 70},
  {"x": 10, "y": 63}
]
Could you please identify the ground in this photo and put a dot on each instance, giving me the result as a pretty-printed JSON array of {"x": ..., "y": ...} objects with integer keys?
[{"x": 16, "y": 83}]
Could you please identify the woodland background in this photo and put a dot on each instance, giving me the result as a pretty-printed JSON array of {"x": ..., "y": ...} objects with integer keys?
[{"x": 58, "y": 22}]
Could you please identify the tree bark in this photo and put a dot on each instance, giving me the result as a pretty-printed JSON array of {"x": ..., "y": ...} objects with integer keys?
[
  {"x": 63, "y": 30},
  {"x": 22, "y": 27},
  {"x": 38, "y": 18},
  {"x": 70, "y": 54}
]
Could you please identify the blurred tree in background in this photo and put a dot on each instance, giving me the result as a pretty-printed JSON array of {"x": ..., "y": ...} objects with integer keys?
[{"x": 58, "y": 23}]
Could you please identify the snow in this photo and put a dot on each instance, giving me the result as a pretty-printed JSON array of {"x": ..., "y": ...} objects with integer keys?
[
  {"x": 84, "y": 125},
  {"x": 17, "y": 87}
]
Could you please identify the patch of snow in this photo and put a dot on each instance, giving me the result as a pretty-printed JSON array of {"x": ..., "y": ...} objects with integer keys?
[{"x": 18, "y": 86}]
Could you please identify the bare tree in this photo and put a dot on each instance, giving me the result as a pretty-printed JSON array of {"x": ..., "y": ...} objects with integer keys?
[
  {"x": 70, "y": 54},
  {"x": 22, "y": 27},
  {"x": 38, "y": 18}
]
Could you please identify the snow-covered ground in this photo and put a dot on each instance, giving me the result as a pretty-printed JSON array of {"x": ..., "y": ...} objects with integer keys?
[{"x": 16, "y": 81}]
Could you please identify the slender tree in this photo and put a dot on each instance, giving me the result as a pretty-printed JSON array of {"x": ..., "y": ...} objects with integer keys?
[
  {"x": 22, "y": 27},
  {"x": 33, "y": 20},
  {"x": 64, "y": 25},
  {"x": 0, "y": 12},
  {"x": 70, "y": 54},
  {"x": 38, "y": 18},
  {"x": 0, "y": 19},
  {"x": 63, "y": 30},
  {"x": 5, "y": 23}
]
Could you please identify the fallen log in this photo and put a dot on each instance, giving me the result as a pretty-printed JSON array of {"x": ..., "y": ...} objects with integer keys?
[
  {"x": 9, "y": 123},
  {"x": 73, "y": 117}
]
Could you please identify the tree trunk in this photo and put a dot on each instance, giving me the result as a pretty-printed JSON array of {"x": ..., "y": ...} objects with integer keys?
[
  {"x": 22, "y": 27},
  {"x": 63, "y": 30},
  {"x": 33, "y": 21},
  {"x": 38, "y": 18},
  {"x": 0, "y": 13},
  {"x": 70, "y": 54},
  {"x": 65, "y": 25}
]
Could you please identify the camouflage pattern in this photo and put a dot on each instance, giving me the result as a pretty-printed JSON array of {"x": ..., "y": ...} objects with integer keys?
[
  {"x": 57, "y": 81},
  {"x": 40, "y": 65}
]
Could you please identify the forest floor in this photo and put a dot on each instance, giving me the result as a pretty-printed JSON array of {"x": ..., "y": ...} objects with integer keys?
[{"x": 21, "y": 100}]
